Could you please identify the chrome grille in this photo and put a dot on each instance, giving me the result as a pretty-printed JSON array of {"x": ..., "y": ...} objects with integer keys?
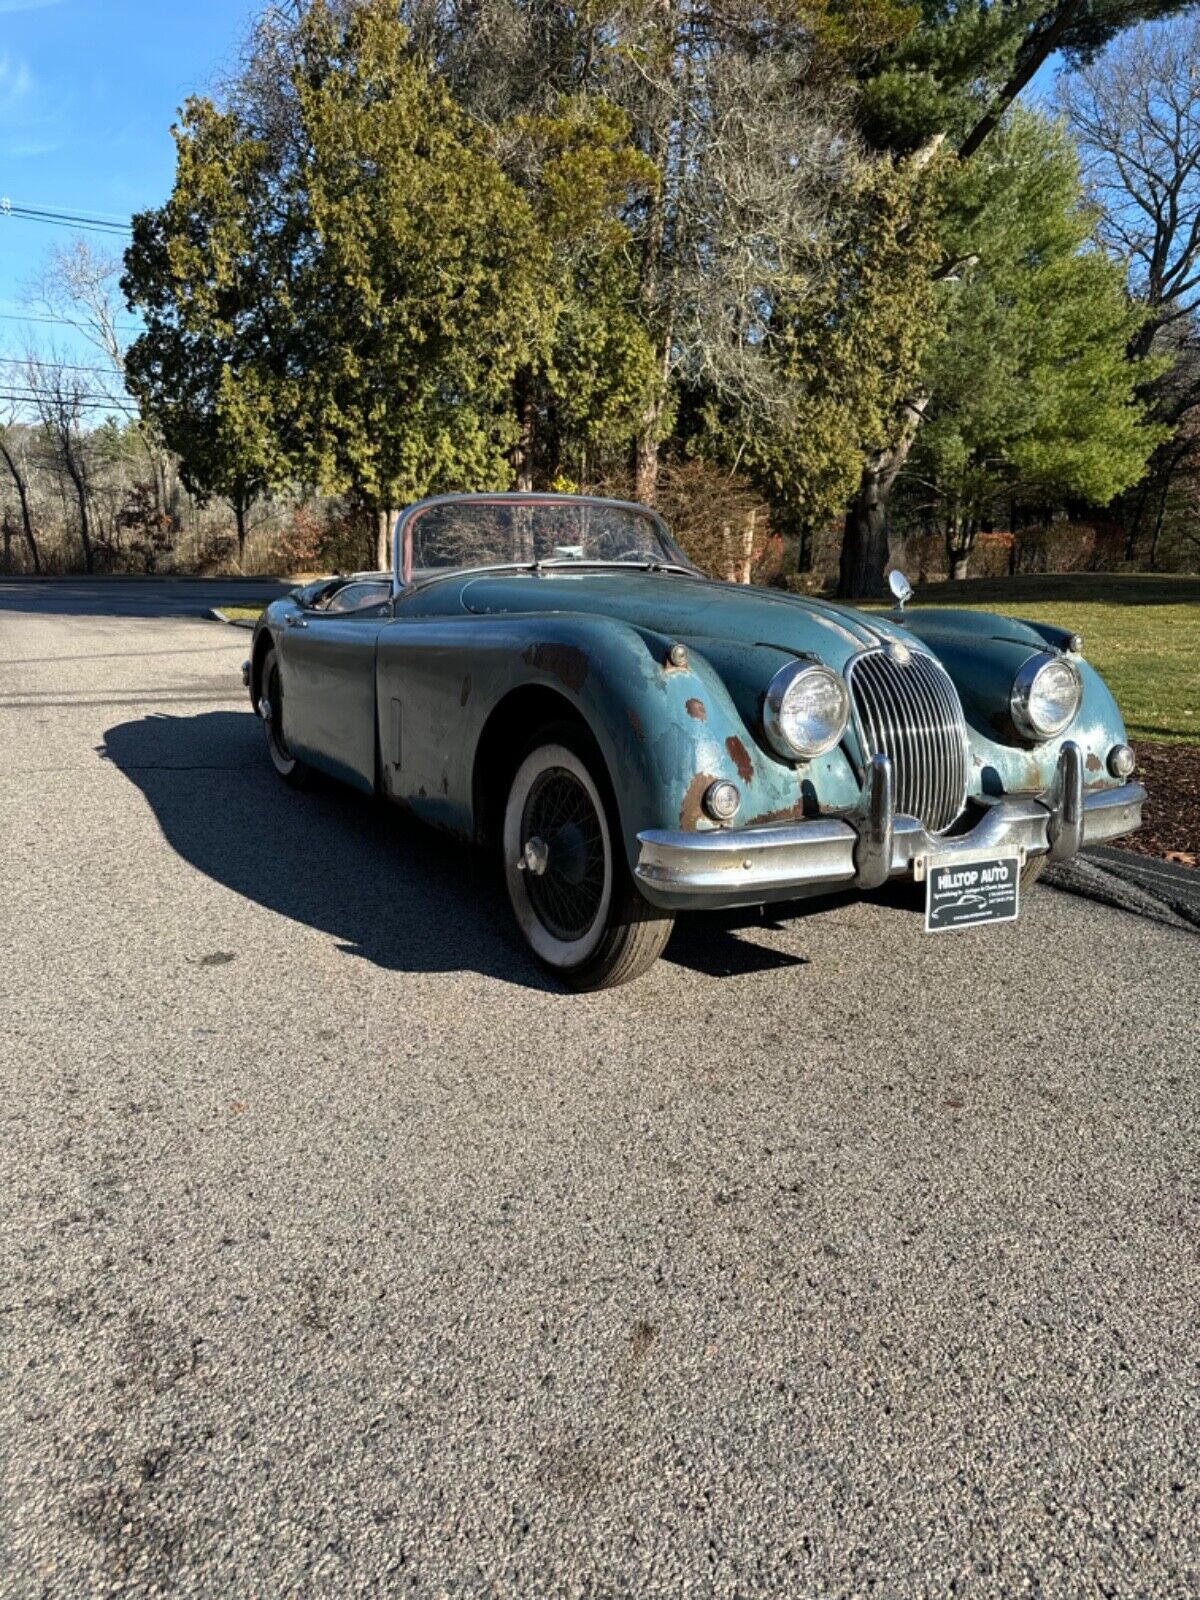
[{"x": 910, "y": 710}]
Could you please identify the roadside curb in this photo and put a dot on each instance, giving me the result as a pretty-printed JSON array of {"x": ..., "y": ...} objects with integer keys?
[{"x": 232, "y": 622}]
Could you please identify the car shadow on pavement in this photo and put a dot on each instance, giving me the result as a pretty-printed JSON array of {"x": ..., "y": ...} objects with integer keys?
[
  {"x": 386, "y": 887},
  {"x": 383, "y": 886}
]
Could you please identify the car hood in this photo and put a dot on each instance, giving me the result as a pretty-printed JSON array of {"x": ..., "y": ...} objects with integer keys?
[{"x": 694, "y": 610}]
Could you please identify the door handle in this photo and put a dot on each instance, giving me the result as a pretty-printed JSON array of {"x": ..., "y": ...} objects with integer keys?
[{"x": 295, "y": 622}]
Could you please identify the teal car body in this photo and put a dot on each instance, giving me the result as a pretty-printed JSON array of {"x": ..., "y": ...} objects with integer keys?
[{"x": 421, "y": 690}]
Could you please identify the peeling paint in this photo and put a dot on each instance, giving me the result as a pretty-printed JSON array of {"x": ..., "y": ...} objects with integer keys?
[
  {"x": 635, "y": 722},
  {"x": 740, "y": 757},
  {"x": 691, "y": 810},
  {"x": 565, "y": 662},
  {"x": 697, "y": 708},
  {"x": 1094, "y": 763},
  {"x": 794, "y": 813}
]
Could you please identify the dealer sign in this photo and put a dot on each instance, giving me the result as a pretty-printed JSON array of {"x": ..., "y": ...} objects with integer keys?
[{"x": 961, "y": 894}]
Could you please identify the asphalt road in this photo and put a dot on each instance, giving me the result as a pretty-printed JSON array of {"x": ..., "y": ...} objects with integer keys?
[{"x": 342, "y": 1255}]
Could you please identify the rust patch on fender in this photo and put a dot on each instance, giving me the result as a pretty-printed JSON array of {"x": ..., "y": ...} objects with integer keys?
[
  {"x": 740, "y": 757},
  {"x": 697, "y": 708},
  {"x": 1094, "y": 763},
  {"x": 692, "y": 809},
  {"x": 794, "y": 813},
  {"x": 635, "y": 722},
  {"x": 466, "y": 690},
  {"x": 563, "y": 661}
]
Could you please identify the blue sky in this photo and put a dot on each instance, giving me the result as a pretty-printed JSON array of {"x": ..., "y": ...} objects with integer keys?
[{"x": 88, "y": 92}]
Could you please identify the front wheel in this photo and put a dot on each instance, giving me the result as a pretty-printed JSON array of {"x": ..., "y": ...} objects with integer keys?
[
  {"x": 570, "y": 889},
  {"x": 1033, "y": 869}
]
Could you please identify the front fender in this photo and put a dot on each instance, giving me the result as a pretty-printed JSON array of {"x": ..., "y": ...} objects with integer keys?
[
  {"x": 983, "y": 653},
  {"x": 665, "y": 732}
]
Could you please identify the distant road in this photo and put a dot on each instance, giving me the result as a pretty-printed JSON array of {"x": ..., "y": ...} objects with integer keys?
[
  {"x": 133, "y": 597},
  {"x": 342, "y": 1255}
]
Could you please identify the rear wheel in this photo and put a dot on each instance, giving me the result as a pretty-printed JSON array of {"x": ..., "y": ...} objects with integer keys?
[
  {"x": 571, "y": 892},
  {"x": 271, "y": 709}
]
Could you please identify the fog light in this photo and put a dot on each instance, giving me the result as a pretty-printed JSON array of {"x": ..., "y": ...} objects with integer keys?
[
  {"x": 722, "y": 800},
  {"x": 1121, "y": 761}
]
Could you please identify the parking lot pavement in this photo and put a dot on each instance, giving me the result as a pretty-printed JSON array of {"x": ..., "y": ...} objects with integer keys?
[{"x": 343, "y": 1255}]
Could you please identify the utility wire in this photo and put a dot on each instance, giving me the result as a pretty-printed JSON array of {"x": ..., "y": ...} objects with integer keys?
[
  {"x": 64, "y": 219},
  {"x": 73, "y": 211},
  {"x": 54, "y": 366},
  {"x": 66, "y": 322},
  {"x": 96, "y": 403}
]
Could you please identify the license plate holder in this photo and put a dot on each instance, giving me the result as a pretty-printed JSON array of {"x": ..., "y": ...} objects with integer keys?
[{"x": 967, "y": 892}]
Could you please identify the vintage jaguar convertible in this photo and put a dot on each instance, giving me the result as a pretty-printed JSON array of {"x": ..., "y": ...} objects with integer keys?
[{"x": 549, "y": 674}]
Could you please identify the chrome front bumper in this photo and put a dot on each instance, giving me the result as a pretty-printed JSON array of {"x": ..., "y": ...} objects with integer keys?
[{"x": 730, "y": 866}]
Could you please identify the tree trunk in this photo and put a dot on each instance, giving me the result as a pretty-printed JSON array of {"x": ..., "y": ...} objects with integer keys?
[
  {"x": 746, "y": 563},
  {"x": 23, "y": 496},
  {"x": 865, "y": 542},
  {"x": 645, "y": 461},
  {"x": 85, "y": 527},
  {"x": 1158, "y": 522},
  {"x": 239, "y": 514},
  {"x": 383, "y": 541},
  {"x": 865, "y": 539},
  {"x": 522, "y": 456}
]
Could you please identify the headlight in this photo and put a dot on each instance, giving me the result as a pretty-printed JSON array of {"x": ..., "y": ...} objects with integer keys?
[
  {"x": 806, "y": 710},
  {"x": 1045, "y": 696}
]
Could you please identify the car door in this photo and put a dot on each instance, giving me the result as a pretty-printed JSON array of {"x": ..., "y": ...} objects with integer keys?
[{"x": 327, "y": 659}]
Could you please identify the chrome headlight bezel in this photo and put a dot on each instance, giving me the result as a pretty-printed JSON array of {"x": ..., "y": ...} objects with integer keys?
[
  {"x": 1021, "y": 696},
  {"x": 780, "y": 687}
]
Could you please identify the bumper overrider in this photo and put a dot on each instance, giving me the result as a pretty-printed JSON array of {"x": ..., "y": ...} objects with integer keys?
[{"x": 731, "y": 866}]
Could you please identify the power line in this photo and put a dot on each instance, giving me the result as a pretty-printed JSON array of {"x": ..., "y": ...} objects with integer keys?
[
  {"x": 71, "y": 211},
  {"x": 98, "y": 403},
  {"x": 66, "y": 322},
  {"x": 64, "y": 219},
  {"x": 53, "y": 366}
]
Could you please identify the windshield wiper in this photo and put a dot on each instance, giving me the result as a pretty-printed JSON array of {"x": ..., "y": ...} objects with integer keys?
[{"x": 627, "y": 566}]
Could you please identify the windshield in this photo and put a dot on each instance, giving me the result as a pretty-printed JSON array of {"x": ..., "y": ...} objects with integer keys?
[{"x": 494, "y": 533}]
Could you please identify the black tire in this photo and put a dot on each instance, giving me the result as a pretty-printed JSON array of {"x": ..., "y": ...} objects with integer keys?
[
  {"x": 583, "y": 917},
  {"x": 1033, "y": 869},
  {"x": 290, "y": 768}
]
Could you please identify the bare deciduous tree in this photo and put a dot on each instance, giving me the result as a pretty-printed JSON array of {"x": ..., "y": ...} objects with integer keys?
[
  {"x": 60, "y": 396},
  {"x": 1135, "y": 115},
  {"x": 14, "y": 452}
]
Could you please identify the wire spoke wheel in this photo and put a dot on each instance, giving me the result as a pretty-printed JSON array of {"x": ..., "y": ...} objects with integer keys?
[
  {"x": 568, "y": 891},
  {"x": 558, "y": 856},
  {"x": 571, "y": 892}
]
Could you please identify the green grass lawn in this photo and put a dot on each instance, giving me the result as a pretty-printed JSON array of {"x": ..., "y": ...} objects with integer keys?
[
  {"x": 1141, "y": 632},
  {"x": 243, "y": 613}
]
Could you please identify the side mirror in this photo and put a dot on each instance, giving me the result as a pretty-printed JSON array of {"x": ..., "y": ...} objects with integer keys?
[{"x": 901, "y": 588}]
